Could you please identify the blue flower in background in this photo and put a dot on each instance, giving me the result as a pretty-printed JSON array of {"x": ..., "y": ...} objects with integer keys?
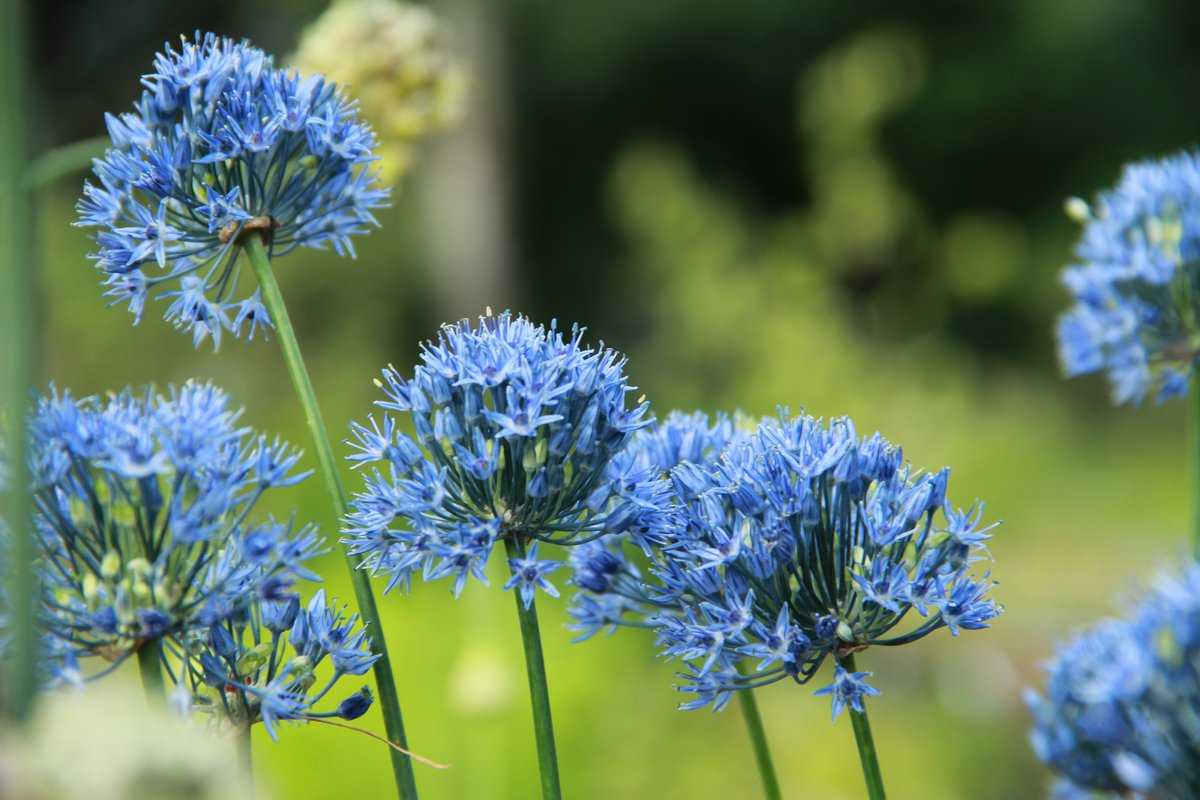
[
  {"x": 795, "y": 543},
  {"x": 260, "y": 665},
  {"x": 1134, "y": 282},
  {"x": 1118, "y": 717},
  {"x": 221, "y": 145},
  {"x": 519, "y": 432},
  {"x": 142, "y": 511}
]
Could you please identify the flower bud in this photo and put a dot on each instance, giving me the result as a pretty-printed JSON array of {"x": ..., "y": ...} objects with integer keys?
[{"x": 355, "y": 705}]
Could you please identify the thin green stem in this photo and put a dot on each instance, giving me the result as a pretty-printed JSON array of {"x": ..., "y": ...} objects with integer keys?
[
  {"x": 149, "y": 658},
  {"x": 385, "y": 682},
  {"x": 866, "y": 743},
  {"x": 1194, "y": 444},
  {"x": 539, "y": 694},
  {"x": 758, "y": 740},
  {"x": 18, "y": 348}
]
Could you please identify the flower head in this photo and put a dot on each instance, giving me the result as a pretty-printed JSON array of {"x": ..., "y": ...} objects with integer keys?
[
  {"x": 262, "y": 665},
  {"x": 396, "y": 56},
  {"x": 223, "y": 145},
  {"x": 1134, "y": 282},
  {"x": 796, "y": 543},
  {"x": 519, "y": 432},
  {"x": 143, "y": 508},
  {"x": 1118, "y": 715}
]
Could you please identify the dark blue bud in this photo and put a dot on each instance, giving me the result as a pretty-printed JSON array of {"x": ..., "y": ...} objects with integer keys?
[
  {"x": 355, "y": 705},
  {"x": 279, "y": 615},
  {"x": 221, "y": 641},
  {"x": 826, "y": 627},
  {"x": 105, "y": 620},
  {"x": 152, "y": 623}
]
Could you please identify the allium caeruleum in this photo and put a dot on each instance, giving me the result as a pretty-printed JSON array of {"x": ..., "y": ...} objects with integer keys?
[
  {"x": 1119, "y": 716},
  {"x": 1135, "y": 282},
  {"x": 260, "y": 665},
  {"x": 611, "y": 590},
  {"x": 222, "y": 144},
  {"x": 142, "y": 509},
  {"x": 800, "y": 542},
  {"x": 519, "y": 432}
]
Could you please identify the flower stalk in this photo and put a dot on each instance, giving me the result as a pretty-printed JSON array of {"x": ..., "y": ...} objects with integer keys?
[
  {"x": 149, "y": 659},
  {"x": 18, "y": 334},
  {"x": 539, "y": 695},
  {"x": 385, "y": 681},
  {"x": 865, "y": 742},
  {"x": 1194, "y": 444},
  {"x": 758, "y": 741}
]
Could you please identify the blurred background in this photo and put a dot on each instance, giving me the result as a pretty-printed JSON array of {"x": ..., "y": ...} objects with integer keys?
[{"x": 847, "y": 208}]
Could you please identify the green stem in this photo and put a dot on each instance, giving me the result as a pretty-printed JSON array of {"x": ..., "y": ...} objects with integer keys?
[
  {"x": 149, "y": 658},
  {"x": 866, "y": 743},
  {"x": 1194, "y": 444},
  {"x": 758, "y": 739},
  {"x": 539, "y": 694},
  {"x": 18, "y": 348},
  {"x": 385, "y": 682}
]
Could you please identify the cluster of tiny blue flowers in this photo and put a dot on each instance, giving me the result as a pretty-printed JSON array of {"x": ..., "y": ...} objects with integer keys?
[
  {"x": 260, "y": 664},
  {"x": 519, "y": 433},
  {"x": 1135, "y": 283},
  {"x": 223, "y": 144},
  {"x": 1119, "y": 715},
  {"x": 611, "y": 591},
  {"x": 142, "y": 504},
  {"x": 796, "y": 543}
]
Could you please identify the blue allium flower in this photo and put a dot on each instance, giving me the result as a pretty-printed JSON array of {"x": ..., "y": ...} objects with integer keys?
[
  {"x": 143, "y": 508},
  {"x": 221, "y": 145},
  {"x": 848, "y": 689},
  {"x": 260, "y": 665},
  {"x": 610, "y": 586},
  {"x": 1134, "y": 283},
  {"x": 519, "y": 432},
  {"x": 799, "y": 542},
  {"x": 1119, "y": 715},
  {"x": 529, "y": 575}
]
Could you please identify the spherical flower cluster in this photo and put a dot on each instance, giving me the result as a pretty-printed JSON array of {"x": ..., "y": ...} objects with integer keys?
[
  {"x": 800, "y": 542},
  {"x": 1135, "y": 282},
  {"x": 142, "y": 509},
  {"x": 222, "y": 145},
  {"x": 519, "y": 433},
  {"x": 396, "y": 57},
  {"x": 260, "y": 665},
  {"x": 1119, "y": 715}
]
